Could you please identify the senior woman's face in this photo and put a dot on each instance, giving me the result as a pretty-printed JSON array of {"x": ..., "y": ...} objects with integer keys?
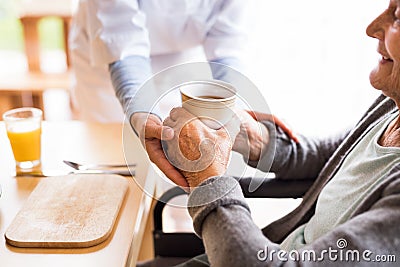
[{"x": 386, "y": 28}]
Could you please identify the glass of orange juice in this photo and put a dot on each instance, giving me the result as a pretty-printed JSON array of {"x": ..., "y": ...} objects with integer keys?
[{"x": 24, "y": 127}]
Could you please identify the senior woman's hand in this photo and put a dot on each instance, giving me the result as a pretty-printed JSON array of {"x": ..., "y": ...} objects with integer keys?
[
  {"x": 198, "y": 151},
  {"x": 254, "y": 136}
]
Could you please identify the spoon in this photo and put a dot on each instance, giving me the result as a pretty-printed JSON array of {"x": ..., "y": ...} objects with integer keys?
[
  {"x": 50, "y": 173},
  {"x": 78, "y": 166}
]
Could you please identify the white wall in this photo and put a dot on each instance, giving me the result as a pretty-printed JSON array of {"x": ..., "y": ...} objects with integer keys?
[{"x": 311, "y": 59}]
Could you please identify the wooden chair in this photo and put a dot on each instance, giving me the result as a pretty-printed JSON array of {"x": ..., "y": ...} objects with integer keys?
[{"x": 27, "y": 88}]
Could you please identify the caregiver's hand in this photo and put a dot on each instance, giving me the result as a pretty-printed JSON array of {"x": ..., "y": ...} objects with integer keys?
[{"x": 151, "y": 131}]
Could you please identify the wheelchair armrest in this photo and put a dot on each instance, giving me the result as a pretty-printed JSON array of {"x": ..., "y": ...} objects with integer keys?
[
  {"x": 164, "y": 199},
  {"x": 268, "y": 188},
  {"x": 185, "y": 245},
  {"x": 274, "y": 187},
  {"x": 188, "y": 244}
]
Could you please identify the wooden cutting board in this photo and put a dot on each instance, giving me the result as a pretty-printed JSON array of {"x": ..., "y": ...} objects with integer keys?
[{"x": 69, "y": 212}]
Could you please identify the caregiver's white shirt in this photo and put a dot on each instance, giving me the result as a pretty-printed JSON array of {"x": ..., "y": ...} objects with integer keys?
[{"x": 168, "y": 31}]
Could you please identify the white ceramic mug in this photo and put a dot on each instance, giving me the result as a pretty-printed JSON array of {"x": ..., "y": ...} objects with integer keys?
[{"x": 210, "y": 100}]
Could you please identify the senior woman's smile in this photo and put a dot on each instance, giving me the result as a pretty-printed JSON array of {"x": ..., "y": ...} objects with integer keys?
[{"x": 386, "y": 28}]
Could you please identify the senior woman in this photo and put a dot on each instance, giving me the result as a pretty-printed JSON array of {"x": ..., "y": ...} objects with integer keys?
[{"x": 351, "y": 214}]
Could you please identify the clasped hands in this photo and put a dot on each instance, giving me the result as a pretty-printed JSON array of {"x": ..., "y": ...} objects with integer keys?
[
  {"x": 188, "y": 152},
  {"x": 197, "y": 151}
]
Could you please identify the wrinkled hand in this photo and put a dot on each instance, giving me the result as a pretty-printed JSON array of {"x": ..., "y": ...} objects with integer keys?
[
  {"x": 254, "y": 136},
  {"x": 197, "y": 150},
  {"x": 258, "y": 116},
  {"x": 151, "y": 131}
]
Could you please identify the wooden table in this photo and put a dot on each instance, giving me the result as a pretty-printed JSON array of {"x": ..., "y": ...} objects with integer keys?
[{"x": 87, "y": 143}]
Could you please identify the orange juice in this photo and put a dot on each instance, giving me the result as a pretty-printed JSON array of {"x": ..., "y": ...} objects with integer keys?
[
  {"x": 23, "y": 127},
  {"x": 25, "y": 144}
]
